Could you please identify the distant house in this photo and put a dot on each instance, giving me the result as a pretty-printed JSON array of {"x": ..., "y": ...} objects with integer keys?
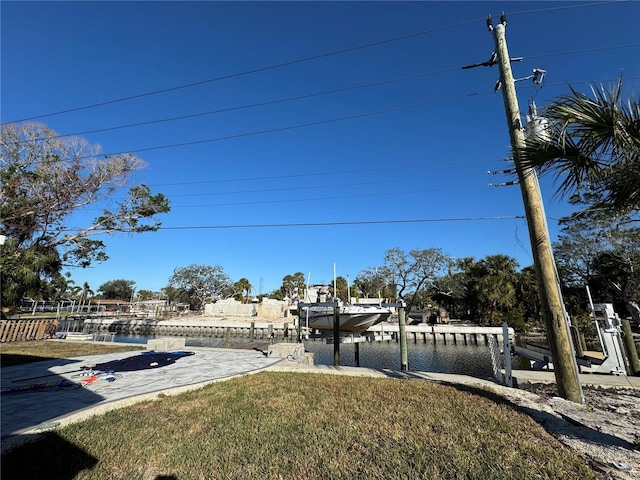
[{"x": 109, "y": 305}]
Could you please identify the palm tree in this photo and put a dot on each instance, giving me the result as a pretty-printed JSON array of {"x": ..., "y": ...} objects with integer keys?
[
  {"x": 494, "y": 286},
  {"x": 144, "y": 295},
  {"x": 244, "y": 287},
  {"x": 85, "y": 293},
  {"x": 594, "y": 143}
]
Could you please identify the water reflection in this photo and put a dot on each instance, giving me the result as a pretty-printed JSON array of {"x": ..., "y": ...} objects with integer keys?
[{"x": 474, "y": 360}]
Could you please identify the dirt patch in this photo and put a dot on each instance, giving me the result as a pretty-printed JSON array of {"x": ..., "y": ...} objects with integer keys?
[{"x": 605, "y": 430}]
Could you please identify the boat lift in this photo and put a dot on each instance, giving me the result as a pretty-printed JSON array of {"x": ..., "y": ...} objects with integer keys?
[{"x": 611, "y": 360}]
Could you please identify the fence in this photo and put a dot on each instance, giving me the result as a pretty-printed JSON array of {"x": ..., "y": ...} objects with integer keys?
[{"x": 22, "y": 330}]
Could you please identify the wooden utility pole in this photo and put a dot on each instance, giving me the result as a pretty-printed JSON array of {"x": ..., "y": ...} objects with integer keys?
[{"x": 564, "y": 364}]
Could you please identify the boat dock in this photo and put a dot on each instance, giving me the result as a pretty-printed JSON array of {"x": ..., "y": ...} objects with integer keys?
[{"x": 458, "y": 333}]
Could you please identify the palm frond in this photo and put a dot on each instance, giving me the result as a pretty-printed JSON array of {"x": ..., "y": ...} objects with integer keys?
[{"x": 593, "y": 141}]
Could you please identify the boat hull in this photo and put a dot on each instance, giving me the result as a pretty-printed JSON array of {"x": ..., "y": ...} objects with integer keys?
[{"x": 353, "y": 319}]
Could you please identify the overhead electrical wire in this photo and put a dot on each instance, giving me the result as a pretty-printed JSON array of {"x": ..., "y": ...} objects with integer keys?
[
  {"x": 313, "y": 175},
  {"x": 588, "y": 50},
  {"x": 290, "y": 127},
  {"x": 319, "y": 187},
  {"x": 565, "y": 7},
  {"x": 258, "y": 104},
  {"x": 317, "y": 94},
  {"x": 295, "y": 175},
  {"x": 322, "y": 199},
  {"x": 309, "y": 124},
  {"x": 332, "y": 224},
  {"x": 297, "y": 61},
  {"x": 249, "y": 72},
  {"x": 327, "y": 224}
]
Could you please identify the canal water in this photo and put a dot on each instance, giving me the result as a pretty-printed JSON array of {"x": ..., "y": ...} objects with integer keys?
[{"x": 473, "y": 360}]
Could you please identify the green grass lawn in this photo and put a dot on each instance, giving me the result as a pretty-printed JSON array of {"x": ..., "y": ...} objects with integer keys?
[{"x": 274, "y": 425}]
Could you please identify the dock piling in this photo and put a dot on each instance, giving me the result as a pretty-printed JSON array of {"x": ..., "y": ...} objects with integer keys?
[
  {"x": 336, "y": 336},
  {"x": 403, "y": 339}
]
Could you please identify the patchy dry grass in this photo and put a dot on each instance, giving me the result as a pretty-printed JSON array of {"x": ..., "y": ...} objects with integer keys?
[
  {"x": 18, "y": 353},
  {"x": 304, "y": 426}
]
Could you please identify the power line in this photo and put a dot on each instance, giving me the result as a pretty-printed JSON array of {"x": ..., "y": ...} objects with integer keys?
[
  {"x": 318, "y": 94},
  {"x": 313, "y": 199},
  {"x": 248, "y": 72},
  {"x": 565, "y": 7},
  {"x": 292, "y": 127},
  {"x": 293, "y": 62},
  {"x": 259, "y": 104},
  {"x": 316, "y": 199},
  {"x": 280, "y": 177},
  {"x": 327, "y": 224},
  {"x": 588, "y": 50},
  {"x": 316, "y": 187}
]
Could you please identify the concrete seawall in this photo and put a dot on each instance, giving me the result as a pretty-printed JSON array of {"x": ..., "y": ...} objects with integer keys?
[
  {"x": 190, "y": 327},
  {"x": 262, "y": 328}
]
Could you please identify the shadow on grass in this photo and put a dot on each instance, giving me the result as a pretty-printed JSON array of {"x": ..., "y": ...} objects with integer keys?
[
  {"x": 57, "y": 459},
  {"x": 50, "y": 457},
  {"x": 553, "y": 423}
]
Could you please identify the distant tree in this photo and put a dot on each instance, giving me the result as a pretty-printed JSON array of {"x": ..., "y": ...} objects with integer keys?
[
  {"x": 175, "y": 295},
  {"x": 116, "y": 290},
  {"x": 242, "y": 289},
  {"x": 276, "y": 294},
  {"x": 527, "y": 295},
  {"x": 86, "y": 292},
  {"x": 340, "y": 289},
  {"x": 493, "y": 285},
  {"x": 44, "y": 179},
  {"x": 415, "y": 272},
  {"x": 75, "y": 292},
  {"x": 203, "y": 282},
  {"x": 451, "y": 290},
  {"x": 60, "y": 288},
  {"x": 375, "y": 282},
  {"x": 145, "y": 295},
  {"x": 293, "y": 285},
  {"x": 602, "y": 250}
]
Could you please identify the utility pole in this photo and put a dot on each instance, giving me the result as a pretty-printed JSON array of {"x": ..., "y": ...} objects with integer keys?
[{"x": 564, "y": 364}]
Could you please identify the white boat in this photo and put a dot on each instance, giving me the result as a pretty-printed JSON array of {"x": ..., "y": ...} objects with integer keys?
[{"x": 353, "y": 318}]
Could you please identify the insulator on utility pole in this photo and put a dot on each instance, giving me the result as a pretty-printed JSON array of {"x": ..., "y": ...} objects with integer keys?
[
  {"x": 505, "y": 184},
  {"x": 508, "y": 171}
]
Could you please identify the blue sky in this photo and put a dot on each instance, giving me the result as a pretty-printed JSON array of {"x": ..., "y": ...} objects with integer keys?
[{"x": 231, "y": 196}]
